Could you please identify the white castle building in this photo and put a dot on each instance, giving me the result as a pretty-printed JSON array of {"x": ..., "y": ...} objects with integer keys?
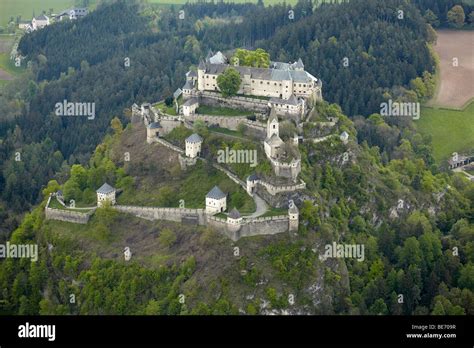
[
  {"x": 105, "y": 193},
  {"x": 193, "y": 145},
  {"x": 287, "y": 85},
  {"x": 216, "y": 201},
  {"x": 40, "y": 22}
]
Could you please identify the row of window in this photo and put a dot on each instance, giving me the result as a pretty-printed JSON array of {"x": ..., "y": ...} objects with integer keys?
[{"x": 261, "y": 82}]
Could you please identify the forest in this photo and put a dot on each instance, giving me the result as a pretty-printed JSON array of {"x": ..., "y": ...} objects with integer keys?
[{"x": 362, "y": 52}]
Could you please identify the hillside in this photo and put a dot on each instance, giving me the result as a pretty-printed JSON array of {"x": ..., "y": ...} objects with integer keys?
[
  {"x": 370, "y": 182},
  {"x": 407, "y": 244}
]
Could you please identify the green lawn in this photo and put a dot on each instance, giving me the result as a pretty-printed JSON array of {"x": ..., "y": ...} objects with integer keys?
[
  {"x": 54, "y": 204},
  {"x": 170, "y": 110},
  {"x": 275, "y": 212},
  {"x": 192, "y": 187},
  {"x": 226, "y": 131},
  {"x": 221, "y": 111},
  {"x": 8, "y": 65},
  {"x": 451, "y": 130}
]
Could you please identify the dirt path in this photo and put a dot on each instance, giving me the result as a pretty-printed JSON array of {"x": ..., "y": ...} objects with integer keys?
[{"x": 456, "y": 82}]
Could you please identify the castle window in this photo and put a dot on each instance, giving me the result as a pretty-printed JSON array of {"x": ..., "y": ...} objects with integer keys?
[
  {"x": 268, "y": 83},
  {"x": 304, "y": 85},
  {"x": 214, "y": 77}
]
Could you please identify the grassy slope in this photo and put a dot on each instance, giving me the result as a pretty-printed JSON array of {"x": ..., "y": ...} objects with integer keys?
[
  {"x": 451, "y": 130},
  {"x": 155, "y": 167}
]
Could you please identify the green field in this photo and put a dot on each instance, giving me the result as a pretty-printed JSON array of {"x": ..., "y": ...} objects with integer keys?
[
  {"x": 25, "y": 8},
  {"x": 6, "y": 64},
  {"x": 451, "y": 130}
]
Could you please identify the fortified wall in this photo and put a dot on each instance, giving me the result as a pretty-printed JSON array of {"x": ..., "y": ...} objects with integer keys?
[
  {"x": 251, "y": 227},
  {"x": 67, "y": 215},
  {"x": 215, "y": 99},
  {"x": 246, "y": 228},
  {"x": 183, "y": 215}
]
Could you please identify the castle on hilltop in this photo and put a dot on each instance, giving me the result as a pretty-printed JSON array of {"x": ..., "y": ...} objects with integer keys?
[{"x": 287, "y": 85}]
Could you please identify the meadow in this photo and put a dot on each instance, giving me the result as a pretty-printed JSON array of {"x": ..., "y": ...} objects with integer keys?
[
  {"x": 8, "y": 70},
  {"x": 451, "y": 130},
  {"x": 25, "y": 8}
]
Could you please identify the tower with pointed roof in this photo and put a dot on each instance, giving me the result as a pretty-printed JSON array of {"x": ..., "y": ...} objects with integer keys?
[
  {"x": 201, "y": 71},
  {"x": 153, "y": 131},
  {"x": 272, "y": 124},
  {"x": 216, "y": 201},
  {"x": 105, "y": 193},
  {"x": 193, "y": 145},
  {"x": 273, "y": 142},
  {"x": 293, "y": 217}
]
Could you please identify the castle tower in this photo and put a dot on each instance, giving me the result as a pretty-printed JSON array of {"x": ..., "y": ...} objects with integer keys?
[
  {"x": 252, "y": 181},
  {"x": 152, "y": 131},
  {"x": 193, "y": 145},
  {"x": 216, "y": 201},
  {"x": 105, "y": 193},
  {"x": 201, "y": 72},
  {"x": 299, "y": 65},
  {"x": 293, "y": 215},
  {"x": 272, "y": 124}
]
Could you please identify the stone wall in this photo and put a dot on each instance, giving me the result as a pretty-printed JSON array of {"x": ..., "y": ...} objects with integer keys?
[
  {"x": 68, "y": 216},
  {"x": 230, "y": 122},
  {"x": 256, "y": 129},
  {"x": 251, "y": 227},
  {"x": 167, "y": 144},
  {"x": 280, "y": 200},
  {"x": 273, "y": 189},
  {"x": 231, "y": 175},
  {"x": 168, "y": 124},
  {"x": 185, "y": 162},
  {"x": 286, "y": 170},
  {"x": 169, "y": 214},
  {"x": 215, "y": 99}
]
